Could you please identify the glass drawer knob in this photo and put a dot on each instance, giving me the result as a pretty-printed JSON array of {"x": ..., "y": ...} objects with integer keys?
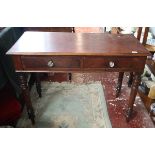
[
  {"x": 50, "y": 63},
  {"x": 111, "y": 64}
]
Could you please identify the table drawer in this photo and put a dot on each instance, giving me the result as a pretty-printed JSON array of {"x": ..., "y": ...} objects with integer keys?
[
  {"x": 50, "y": 62},
  {"x": 114, "y": 62}
]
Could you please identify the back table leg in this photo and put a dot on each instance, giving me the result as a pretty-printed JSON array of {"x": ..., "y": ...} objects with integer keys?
[
  {"x": 26, "y": 96},
  {"x": 133, "y": 93},
  {"x": 130, "y": 79},
  {"x": 119, "y": 84},
  {"x": 38, "y": 83}
]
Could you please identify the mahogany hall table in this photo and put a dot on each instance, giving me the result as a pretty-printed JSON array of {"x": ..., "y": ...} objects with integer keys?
[{"x": 78, "y": 52}]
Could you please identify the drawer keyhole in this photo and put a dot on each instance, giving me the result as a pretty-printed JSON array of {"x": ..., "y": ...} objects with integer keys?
[
  {"x": 111, "y": 64},
  {"x": 50, "y": 63}
]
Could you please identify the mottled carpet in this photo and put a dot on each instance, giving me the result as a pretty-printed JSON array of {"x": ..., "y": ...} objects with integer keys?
[{"x": 68, "y": 105}]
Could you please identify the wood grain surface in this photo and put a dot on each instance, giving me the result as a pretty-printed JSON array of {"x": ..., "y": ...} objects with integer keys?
[{"x": 66, "y": 43}]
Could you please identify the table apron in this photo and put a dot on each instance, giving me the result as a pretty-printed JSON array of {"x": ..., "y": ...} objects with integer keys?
[{"x": 79, "y": 63}]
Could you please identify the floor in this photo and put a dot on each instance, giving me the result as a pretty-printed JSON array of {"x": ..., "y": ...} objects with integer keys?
[
  {"x": 116, "y": 106},
  {"x": 59, "y": 109}
]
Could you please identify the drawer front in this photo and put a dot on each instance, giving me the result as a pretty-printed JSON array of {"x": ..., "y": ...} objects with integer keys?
[
  {"x": 124, "y": 63},
  {"x": 50, "y": 62}
]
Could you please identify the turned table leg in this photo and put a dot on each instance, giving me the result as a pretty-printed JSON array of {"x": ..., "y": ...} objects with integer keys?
[
  {"x": 26, "y": 96},
  {"x": 133, "y": 93},
  {"x": 119, "y": 83},
  {"x": 38, "y": 83}
]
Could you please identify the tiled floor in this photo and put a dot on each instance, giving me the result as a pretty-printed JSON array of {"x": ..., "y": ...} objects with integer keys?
[{"x": 116, "y": 106}]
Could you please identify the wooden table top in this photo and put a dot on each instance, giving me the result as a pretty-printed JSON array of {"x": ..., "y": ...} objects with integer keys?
[{"x": 64, "y": 43}]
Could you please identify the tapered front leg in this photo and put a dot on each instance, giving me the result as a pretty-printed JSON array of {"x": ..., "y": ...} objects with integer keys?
[
  {"x": 119, "y": 83},
  {"x": 26, "y": 96},
  {"x": 133, "y": 93}
]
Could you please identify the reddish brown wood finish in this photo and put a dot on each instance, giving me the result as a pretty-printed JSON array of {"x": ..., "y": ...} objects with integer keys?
[
  {"x": 63, "y": 43},
  {"x": 133, "y": 94},
  {"x": 81, "y": 52},
  {"x": 79, "y": 63},
  {"x": 144, "y": 40},
  {"x": 145, "y": 35},
  {"x": 17, "y": 62},
  {"x": 139, "y": 32},
  {"x": 41, "y": 62},
  {"x": 121, "y": 63},
  {"x": 50, "y": 29},
  {"x": 119, "y": 83}
]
